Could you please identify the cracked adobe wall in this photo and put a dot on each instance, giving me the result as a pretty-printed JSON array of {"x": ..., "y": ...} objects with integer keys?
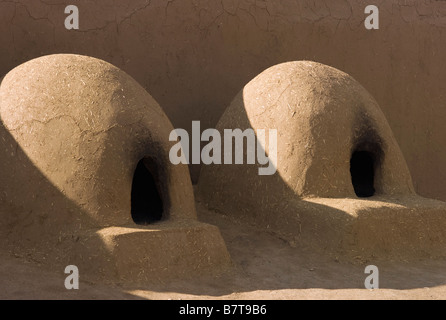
[{"x": 193, "y": 56}]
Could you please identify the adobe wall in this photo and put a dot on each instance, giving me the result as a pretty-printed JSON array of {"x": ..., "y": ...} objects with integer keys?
[{"x": 193, "y": 56}]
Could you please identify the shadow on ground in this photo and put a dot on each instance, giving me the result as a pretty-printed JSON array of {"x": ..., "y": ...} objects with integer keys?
[{"x": 264, "y": 262}]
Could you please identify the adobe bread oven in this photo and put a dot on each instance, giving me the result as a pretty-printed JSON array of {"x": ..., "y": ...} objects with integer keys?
[
  {"x": 341, "y": 182},
  {"x": 86, "y": 179}
]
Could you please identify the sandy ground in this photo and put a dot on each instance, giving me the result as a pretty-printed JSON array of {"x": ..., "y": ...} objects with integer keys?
[{"x": 264, "y": 267}]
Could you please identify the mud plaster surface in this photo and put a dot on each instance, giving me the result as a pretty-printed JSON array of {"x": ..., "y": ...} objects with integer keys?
[{"x": 193, "y": 56}]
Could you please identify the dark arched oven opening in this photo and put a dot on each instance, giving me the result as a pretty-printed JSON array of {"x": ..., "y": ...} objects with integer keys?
[
  {"x": 147, "y": 202},
  {"x": 362, "y": 170}
]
